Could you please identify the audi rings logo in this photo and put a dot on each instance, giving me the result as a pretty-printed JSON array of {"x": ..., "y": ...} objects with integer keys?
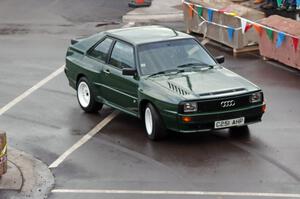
[{"x": 229, "y": 103}]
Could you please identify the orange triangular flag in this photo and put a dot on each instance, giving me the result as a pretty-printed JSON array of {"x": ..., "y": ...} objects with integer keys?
[
  {"x": 258, "y": 28},
  {"x": 191, "y": 10}
]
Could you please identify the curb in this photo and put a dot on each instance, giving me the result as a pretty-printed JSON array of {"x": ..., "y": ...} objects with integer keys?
[
  {"x": 159, "y": 11},
  {"x": 36, "y": 179},
  {"x": 13, "y": 179},
  {"x": 146, "y": 18}
]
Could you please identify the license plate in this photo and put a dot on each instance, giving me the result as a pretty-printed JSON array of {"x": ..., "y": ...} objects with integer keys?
[{"x": 229, "y": 123}]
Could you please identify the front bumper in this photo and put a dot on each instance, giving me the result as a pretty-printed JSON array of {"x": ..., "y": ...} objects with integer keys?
[{"x": 205, "y": 121}]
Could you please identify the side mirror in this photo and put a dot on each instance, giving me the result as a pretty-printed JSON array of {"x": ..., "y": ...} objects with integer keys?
[
  {"x": 220, "y": 59},
  {"x": 129, "y": 71}
]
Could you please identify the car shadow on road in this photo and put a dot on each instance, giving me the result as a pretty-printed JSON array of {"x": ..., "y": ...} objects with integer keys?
[{"x": 192, "y": 150}]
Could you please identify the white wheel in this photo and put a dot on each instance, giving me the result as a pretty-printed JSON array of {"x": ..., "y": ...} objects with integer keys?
[
  {"x": 83, "y": 94},
  {"x": 154, "y": 125},
  {"x": 86, "y": 96},
  {"x": 148, "y": 121}
]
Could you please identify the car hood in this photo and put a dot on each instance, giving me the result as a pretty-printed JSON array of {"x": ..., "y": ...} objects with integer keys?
[{"x": 207, "y": 83}]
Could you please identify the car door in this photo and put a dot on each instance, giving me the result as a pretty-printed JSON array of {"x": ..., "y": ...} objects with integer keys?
[
  {"x": 96, "y": 58},
  {"x": 119, "y": 90}
]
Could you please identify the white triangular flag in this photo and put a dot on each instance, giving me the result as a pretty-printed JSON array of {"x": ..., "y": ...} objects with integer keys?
[{"x": 243, "y": 24}]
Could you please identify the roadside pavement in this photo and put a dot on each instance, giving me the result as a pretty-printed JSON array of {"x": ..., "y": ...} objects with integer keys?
[
  {"x": 159, "y": 11},
  {"x": 26, "y": 177}
]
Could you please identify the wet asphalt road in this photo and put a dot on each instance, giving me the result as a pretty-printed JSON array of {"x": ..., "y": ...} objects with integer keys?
[{"x": 49, "y": 121}]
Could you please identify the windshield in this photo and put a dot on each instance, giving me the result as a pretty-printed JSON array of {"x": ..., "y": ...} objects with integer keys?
[{"x": 168, "y": 55}]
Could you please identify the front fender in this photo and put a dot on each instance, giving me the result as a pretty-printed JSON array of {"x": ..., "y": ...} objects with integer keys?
[{"x": 165, "y": 103}]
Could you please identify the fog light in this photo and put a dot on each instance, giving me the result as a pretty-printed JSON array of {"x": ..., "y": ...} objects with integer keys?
[{"x": 186, "y": 119}]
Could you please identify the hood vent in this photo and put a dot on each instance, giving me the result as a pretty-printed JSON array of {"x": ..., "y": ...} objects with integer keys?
[
  {"x": 222, "y": 92},
  {"x": 177, "y": 89}
]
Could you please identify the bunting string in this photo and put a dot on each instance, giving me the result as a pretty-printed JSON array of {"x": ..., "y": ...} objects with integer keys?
[
  {"x": 210, "y": 15},
  {"x": 255, "y": 24}
]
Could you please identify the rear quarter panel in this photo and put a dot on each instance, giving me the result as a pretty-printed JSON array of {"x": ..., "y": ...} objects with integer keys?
[
  {"x": 84, "y": 66},
  {"x": 79, "y": 64}
]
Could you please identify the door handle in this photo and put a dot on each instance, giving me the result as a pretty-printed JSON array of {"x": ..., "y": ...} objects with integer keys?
[{"x": 106, "y": 71}]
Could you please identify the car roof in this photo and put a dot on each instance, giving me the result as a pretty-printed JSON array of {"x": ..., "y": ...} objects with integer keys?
[{"x": 146, "y": 34}]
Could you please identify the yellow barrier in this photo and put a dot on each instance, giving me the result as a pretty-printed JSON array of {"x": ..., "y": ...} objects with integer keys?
[{"x": 3, "y": 153}]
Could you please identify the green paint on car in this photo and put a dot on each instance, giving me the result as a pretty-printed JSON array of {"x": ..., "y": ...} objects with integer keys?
[{"x": 164, "y": 77}]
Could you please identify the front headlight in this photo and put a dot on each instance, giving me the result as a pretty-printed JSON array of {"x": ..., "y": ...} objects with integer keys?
[
  {"x": 190, "y": 107},
  {"x": 256, "y": 97}
]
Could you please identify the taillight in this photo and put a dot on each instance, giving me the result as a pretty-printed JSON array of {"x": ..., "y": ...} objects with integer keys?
[{"x": 264, "y": 108}]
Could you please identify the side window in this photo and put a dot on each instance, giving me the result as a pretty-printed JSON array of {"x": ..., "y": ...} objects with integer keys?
[
  {"x": 101, "y": 51},
  {"x": 122, "y": 56}
]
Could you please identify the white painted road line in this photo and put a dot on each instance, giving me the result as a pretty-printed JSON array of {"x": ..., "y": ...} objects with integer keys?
[
  {"x": 197, "y": 193},
  {"x": 84, "y": 139},
  {"x": 90, "y": 134},
  {"x": 31, "y": 90},
  {"x": 40, "y": 84}
]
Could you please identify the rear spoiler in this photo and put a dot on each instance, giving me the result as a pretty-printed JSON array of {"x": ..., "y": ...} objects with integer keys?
[
  {"x": 76, "y": 40},
  {"x": 75, "y": 48}
]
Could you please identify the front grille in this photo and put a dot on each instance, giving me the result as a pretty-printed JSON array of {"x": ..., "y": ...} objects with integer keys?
[
  {"x": 213, "y": 105},
  {"x": 202, "y": 122}
]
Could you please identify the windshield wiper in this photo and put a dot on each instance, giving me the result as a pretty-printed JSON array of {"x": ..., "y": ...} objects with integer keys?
[
  {"x": 195, "y": 65},
  {"x": 166, "y": 71},
  {"x": 189, "y": 65}
]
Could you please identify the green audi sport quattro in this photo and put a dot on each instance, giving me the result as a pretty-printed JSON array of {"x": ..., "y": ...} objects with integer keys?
[{"x": 162, "y": 76}]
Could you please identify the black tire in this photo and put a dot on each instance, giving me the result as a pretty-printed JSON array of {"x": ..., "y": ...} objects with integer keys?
[
  {"x": 158, "y": 129},
  {"x": 91, "y": 106}
]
